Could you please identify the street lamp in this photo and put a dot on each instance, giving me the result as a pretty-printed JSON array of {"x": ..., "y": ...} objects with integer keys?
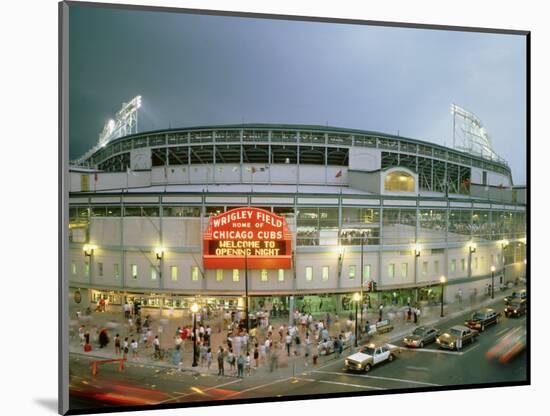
[
  {"x": 493, "y": 268},
  {"x": 194, "y": 310},
  {"x": 356, "y": 299},
  {"x": 88, "y": 250},
  {"x": 416, "y": 252},
  {"x": 442, "y": 280},
  {"x": 159, "y": 253}
]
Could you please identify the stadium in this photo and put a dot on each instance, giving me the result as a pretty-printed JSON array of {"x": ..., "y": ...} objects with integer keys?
[{"x": 394, "y": 218}]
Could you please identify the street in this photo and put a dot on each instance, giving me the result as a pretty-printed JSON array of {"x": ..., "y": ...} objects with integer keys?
[{"x": 147, "y": 384}]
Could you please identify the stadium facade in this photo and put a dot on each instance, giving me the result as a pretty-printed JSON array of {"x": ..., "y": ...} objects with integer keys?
[{"x": 365, "y": 211}]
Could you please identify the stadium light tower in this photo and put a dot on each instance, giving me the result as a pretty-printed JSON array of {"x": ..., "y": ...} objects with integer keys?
[{"x": 124, "y": 123}]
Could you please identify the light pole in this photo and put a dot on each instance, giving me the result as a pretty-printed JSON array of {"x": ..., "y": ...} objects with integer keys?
[
  {"x": 362, "y": 243},
  {"x": 416, "y": 256},
  {"x": 357, "y": 299},
  {"x": 493, "y": 268},
  {"x": 159, "y": 254},
  {"x": 471, "y": 250},
  {"x": 89, "y": 252},
  {"x": 194, "y": 310},
  {"x": 442, "y": 280},
  {"x": 246, "y": 294}
]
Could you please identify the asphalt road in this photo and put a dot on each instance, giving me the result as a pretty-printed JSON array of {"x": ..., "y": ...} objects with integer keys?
[{"x": 413, "y": 368}]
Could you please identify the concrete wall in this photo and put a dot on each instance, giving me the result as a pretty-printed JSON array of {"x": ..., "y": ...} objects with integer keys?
[{"x": 184, "y": 261}]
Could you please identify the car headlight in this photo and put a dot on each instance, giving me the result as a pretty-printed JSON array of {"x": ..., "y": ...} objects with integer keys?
[
  {"x": 438, "y": 341},
  {"x": 515, "y": 311},
  {"x": 346, "y": 362},
  {"x": 359, "y": 366},
  {"x": 452, "y": 344}
]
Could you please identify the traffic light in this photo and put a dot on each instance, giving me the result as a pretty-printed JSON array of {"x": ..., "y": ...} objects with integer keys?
[{"x": 374, "y": 286}]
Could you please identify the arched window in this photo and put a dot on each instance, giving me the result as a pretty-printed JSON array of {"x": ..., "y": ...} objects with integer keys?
[{"x": 399, "y": 181}]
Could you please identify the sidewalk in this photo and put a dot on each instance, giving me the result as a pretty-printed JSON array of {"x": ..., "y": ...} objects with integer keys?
[{"x": 294, "y": 364}]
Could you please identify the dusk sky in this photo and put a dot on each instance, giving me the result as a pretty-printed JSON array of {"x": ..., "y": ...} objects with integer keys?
[{"x": 197, "y": 70}]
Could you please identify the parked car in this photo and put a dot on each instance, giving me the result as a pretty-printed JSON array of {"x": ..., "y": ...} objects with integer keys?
[
  {"x": 515, "y": 308},
  {"x": 421, "y": 336},
  {"x": 515, "y": 296},
  {"x": 369, "y": 356},
  {"x": 448, "y": 340},
  {"x": 482, "y": 319}
]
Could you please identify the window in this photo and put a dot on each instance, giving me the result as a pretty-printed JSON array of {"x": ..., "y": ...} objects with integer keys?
[
  {"x": 453, "y": 266},
  {"x": 219, "y": 275},
  {"x": 404, "y": 269},
  {"x": 174, "y": 273},
  {"x": 462, "y": 265},
  {"x": 309, "y": 273},
  {"x": 235, "y": 275},
  {"x": 391, "y": 270},
  {"x": 194, "y": 273},
  {"x": 263, "y": 275},
  {"x": 154, "y": 272},
  {"x": 116, "y": 271},
  {"x": 366, "y": 271},
  {"x": 425, "y": 267},
  {"x": 134, "y": 271},
  {"x": 436, "y": 267},
  {"x": 351, "y": 272},
  {"x": 87, "y": 269},
  {"x": 100, "y": 269},
  {"x": 73, "y": 268},
  {"x": 281, "y": 275},
  {"x": 324, "y": 273},
  {"x": 399, "y": 181}
]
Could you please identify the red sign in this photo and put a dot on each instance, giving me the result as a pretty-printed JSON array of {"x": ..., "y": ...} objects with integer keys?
[{"x": 248, "y": 235}]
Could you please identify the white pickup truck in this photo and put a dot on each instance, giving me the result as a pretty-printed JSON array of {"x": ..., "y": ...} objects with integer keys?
[{"x": 369, "y": 356}]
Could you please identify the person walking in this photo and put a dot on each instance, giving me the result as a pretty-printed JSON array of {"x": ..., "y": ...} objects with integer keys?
[
  {"x": 315, "y": 352},
  {"x": 231, "y": 360},
  {"x": 134, "y": 346},
  {"x": 288, "y": 342},
  {"x": 117, "y": 344},
  {"x": 409, "y": 314},
  {"x": 247, "y": 364},
  {"x": 209, "y": 357},
  {"x": 125, "y": 348},
  {"x": 380, "y": 312},
  {"x": 220, "y": 362},
  {"x": 240, "y": 366},
  {"x": 307, "y": 352},
  {"x": 156, "y": 345},
  {"x": 256, "y": 355}
]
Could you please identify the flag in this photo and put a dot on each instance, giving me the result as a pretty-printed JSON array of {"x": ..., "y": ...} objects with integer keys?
[
  {"x": 253, "y": 169},
  {"x": 500, "y": 186},
  {"x": 338, "y": 174},
  {"x": 466, "y": 182}
]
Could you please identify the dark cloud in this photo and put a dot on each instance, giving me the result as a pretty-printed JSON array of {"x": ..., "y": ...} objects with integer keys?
[{"x": 196, "y": 70}]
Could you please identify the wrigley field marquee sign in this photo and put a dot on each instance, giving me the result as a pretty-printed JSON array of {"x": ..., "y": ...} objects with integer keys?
[{"x": 247, "y": 237}]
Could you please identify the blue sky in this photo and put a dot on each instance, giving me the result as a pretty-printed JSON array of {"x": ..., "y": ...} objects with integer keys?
[{"x": 197, "y": 70}]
